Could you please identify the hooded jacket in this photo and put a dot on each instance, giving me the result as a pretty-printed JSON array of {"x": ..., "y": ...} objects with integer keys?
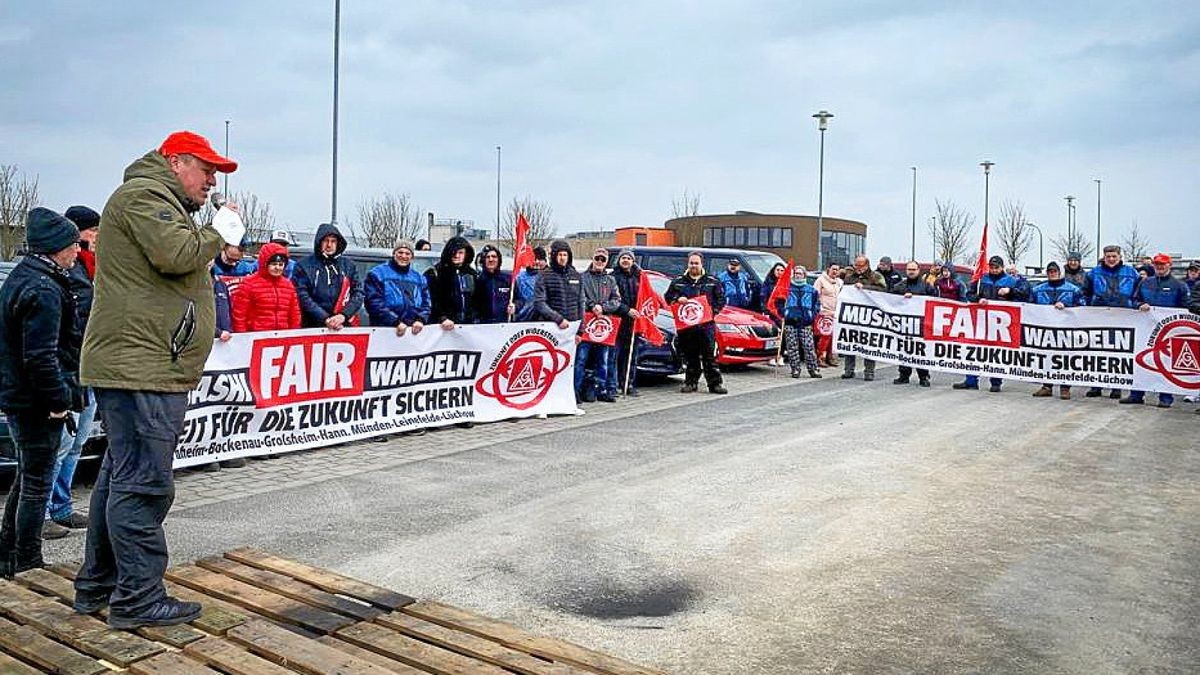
[
  {"x": 1107, "y": 286},
  {"x": 600, "y": 288},
  {"x": 39, "y": 340},
  {"x": 396, "y": 294},
  {"x": 322, "y": 280},
  {"x": 263, "y": 302},
  {"x": 153, "y": 312},
  {"x": 1054, "y": 292},
  {"x": 828, "y": 288},
  {"x": 802, "y": 305},
  {"x": 452, "y": 287},
  {"x": 558, "y": 293},
  {"x": 989, "y": 285},
  {"x": 492, "y": 291},
  {"x": 1159, "y": 291},
  {"x": 523, "y": 296},
  {"x": 950, "y": 288}
]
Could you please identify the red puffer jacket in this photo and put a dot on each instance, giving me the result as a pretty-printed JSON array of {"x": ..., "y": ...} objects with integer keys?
[{"x": 263, "y": 302}]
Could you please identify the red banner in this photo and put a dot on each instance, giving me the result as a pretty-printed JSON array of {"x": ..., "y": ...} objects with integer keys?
[
  {"x": 648, "y": 304},
  {"x": 691, "y": 312},
  {"x": 601, "y": 329},
  {"x": 981, "y": 265},
  {"x": 780, "y": 292},
  {"x": 522, "y": 251}
]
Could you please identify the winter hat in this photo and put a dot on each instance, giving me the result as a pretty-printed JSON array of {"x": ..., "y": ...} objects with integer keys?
[
  {"x": 539, "y": 253},
  {"x": 1053, "y": 266},
  {"x": 278, "y": 257},
  {"x": 938, "y": 263},
  {"x": 48, "y": 232},
  {"x": 403, "y": 243},
  {"x": 885, "y": 260},
  {"x": 996, "y": 260},
  {"x": 1194, "y": 266},
  {"x": 83, "y": 217},
  {"x": 625, "y": 252},
  {"x": 1074, "y": 255}
]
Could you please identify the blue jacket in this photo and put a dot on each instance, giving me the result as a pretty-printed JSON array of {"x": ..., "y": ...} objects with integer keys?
[
  {"x": 396, "y": 294},
  {"x": 988, "y": 288},
  {"x": 802, "y": 306},
  {"x": 319, "y": 280},
  {"x": 1053, "y": 292},
  {"x": 224, "y": 308},
  {"x": 523, "y": 297},
  {"x": 737, "y": 289},
  {"x": 492, "y": 291},
  {"x": 1111, "y": 287},
  {"x": 1161, "y": 292},
  {"x": 241, "y": 268}
]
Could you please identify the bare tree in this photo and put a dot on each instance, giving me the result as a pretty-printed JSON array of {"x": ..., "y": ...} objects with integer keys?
[
  {"x": 18, "y": 194},
  {"x": 540, "y": 217},
  {"x": 688, "y": 204},
  {"x": 256, "y": 214},
  {"x": 1134, "y": 246},
  {"x": 950, "y": 231},
  {"x": 1013, "y": 233},
  {"x": 386, "y": 219},
  {"x": 1073, "y": 242}
]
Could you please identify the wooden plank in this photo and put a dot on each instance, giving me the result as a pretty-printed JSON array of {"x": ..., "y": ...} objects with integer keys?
[
  {"x": 290, "y": 588},
  {"x": 368, "y": 655},
  {"x": 40, "y": 650},
  {"x": 330, "y": 582},
  {"x": 11, "y": 666},
  {"x": 474, "y": 646},
  {"x": 170, "y": 663},
  {"x": 268, "y": 604},
  {"x": 85, "y": 633},
  {"x": 508, "y": 635},
  {"x": 307, "y": 656},
  {"x": 62, "y": 589},
  {"x": 230, "y": 658},
  {"x": 413, "y": 652}
]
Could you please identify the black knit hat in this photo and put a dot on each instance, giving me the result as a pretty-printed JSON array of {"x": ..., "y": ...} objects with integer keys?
[
  {"x": 48, "y": 232},
  {"x": 539, "y": 253},
  {"x": 83, "y": 217},
  {"x": 1052, "y": 266},
  {"x": 997, "y": 261}
]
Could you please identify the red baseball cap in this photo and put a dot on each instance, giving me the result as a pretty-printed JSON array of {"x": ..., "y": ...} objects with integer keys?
[
  {"x": 188, "y": 143},
  {"x": 1161, "y": 259}
]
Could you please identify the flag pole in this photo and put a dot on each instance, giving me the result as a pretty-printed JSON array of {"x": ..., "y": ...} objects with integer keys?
[{"x": 629, "y": 361}]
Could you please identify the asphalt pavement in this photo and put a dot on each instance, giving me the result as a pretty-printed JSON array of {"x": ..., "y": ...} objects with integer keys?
[{"x": 804, "y": 526}]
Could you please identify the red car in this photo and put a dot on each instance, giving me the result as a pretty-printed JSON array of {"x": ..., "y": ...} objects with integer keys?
[{"x": 743, "y": 336}]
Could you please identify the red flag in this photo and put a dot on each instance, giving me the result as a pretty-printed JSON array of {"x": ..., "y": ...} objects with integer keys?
[
  {"x": 981, "y": 266},
  {"x": 690, "y": 312},
  {"x": 780, "y": 292},
  {"x": 648, "y": 304},
  {"x": 601, "y": 328},
  {"x": 522, "y": 251}
]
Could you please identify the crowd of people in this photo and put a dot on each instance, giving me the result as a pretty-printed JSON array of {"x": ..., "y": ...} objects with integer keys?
[{"x": 109, "y": 313}]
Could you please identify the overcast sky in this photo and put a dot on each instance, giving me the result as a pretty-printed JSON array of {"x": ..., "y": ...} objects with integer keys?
[{"x": 608, "y": 110}]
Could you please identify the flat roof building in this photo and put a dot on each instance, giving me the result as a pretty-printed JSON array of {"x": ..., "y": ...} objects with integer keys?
[{"x": 788, "y": 236}]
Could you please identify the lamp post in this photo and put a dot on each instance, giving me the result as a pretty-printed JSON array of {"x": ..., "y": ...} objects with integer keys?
[
  {"x": 1070, "y": 199},
  {"x": 337, "y": 31},
  {"x": 822, "y": 117},
  {"x": 497, "y": 192},
  {"x": 1041, "y": 247},
  {"x": 225, "y": 189},
  {"x": 1098, "y": 244},
  {"x": 913, "y": 254},
  {"x": 987, "y": 165}
]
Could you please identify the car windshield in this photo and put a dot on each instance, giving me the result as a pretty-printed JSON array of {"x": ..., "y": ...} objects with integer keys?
[
  {"x": 761, "y": 263},
  {"x": 660, "y": 284}
]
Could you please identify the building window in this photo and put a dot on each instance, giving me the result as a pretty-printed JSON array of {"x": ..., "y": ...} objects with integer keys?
[
  {"x": 842, "y": 247},
  {"x": 787, "y": 237},
  {"x": 752, "y": 237},
  {"x": 639, "y": 239}
]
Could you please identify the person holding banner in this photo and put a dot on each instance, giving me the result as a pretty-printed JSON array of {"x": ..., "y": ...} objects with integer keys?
[
  {"x": 327, "y": 283},
  {"x": 1112, "y": 283},
  {"x": 601, "y": 298},
  {"x": 828, "y": 285},
  {"x": 995, "y": 285},
  {"x": 862, "y": 277},
  {"x": 800, "y": 310},
  {"x": 622, "y": 357},
  {"x": 696, "y": 337},
  {"x": 913, "y": 283},
  {"x": 396, "y": 294},
  {"x": 949, "y": 287},
  {"x": 524, "y": 284},
  {"x": 267, "y": 299},
  {"x": 148, "y": 338},
  {"x": 1062, "y": 294},
  {"x": 452, "y": 284},
  {"x": 1160, "y": 290},
  {"x": 494, "y": 293},
  {"x": 1073, "y": 271}
]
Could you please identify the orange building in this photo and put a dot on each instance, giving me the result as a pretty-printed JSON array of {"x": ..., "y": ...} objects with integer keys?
[{"x": 645, "y": 236}]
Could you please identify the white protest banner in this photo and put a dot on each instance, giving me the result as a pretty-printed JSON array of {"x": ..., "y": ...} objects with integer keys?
[
  {"x": 274, "y": 392},
  {"x": 1158, "y": 350}
]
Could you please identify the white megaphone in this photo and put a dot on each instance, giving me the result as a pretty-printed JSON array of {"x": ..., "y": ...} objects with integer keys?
[{"x": 227, "y": 222}]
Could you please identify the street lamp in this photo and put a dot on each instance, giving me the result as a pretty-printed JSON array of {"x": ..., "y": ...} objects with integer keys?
[
  {"x": 1041, "y": 247},
  {"x": 822, "y": 117},
  {"x": 497, "y": 192},
  {"x": 337, "y": 31},
  {"x": 1098, "y": 244},
  {"x": 226, "y": 188},
  {"x": 913, "y": 254},
  {"x": 987, "y": 165},
  {"x": 1070, "y": 223}
]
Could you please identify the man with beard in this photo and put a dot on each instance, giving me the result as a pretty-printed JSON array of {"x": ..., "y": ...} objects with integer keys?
[
  {"x": 698, "y": 344},
  {"x": 862, "y": 277},
  {"x": 912, "y": 284}
]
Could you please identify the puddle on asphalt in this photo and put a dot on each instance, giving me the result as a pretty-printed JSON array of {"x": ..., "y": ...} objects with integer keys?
[{"x": 612, "y": 599}]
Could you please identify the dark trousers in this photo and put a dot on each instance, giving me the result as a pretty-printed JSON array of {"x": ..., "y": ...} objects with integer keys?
[
  {"x": 126, "y": 551},
  {"x": 618, "y": 364},
  {"x": 906, "y": 372},
  {"x": 36, "y": 439},
  {"x": 698, "y": 347}
]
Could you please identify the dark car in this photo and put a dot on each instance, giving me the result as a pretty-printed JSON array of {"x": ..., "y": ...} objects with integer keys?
[
  {"x": 367, "y": 259},
  {"x": 672, "y": 261}
]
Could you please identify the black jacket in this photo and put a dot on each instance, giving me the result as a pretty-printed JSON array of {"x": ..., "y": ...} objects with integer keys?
[
  {"x": 628, "y": 285},
  {"x": 81, "y": 288},
  {"x": 558, "y": 292},
  {"x": 452, "y": 287},
  {"x": 320, "y": 278},
  {"x": 686, "y": 287},
  {"x": 39, "y": 333},
  {"x": 916, "y": 286},
  {"x": 892, "y": 277}
]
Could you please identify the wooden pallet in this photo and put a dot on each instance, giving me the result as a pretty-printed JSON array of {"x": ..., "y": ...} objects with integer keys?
[{"x": 266, "y": 615}]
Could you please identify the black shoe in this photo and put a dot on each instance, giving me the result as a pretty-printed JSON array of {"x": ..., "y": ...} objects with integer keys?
[
  {"x": 52, "y": 530},
  {"x": 868, "y": 377},
  {"x": 632, "y": 393},
  {"x": 607, "y": 398},
  {"x": 964, "y": 385},
  {"x": 465, "y": 425},
  {"x": 900, "y": 380},
  {"x": 1093, "y": 393},
  {"x": 796, "y": 374},
  {"x": 1161, "y": 404},
  {"x": 211, "y": 467},
  {"x": 165, "y": 612},
  {"x": 924, "y": 382},
  {"x": 588, "y": 397},
  {"x": 75, "y": 521},
  {"x": 687, "y": 389},
  {"x": 1129, "y": 400},
  {"x": 85, "y": 604},
  {"x": 418, "y": 432},
  {"x": 1115, "y": 393},
  {"x": 814, "y": 373},
  {"x": 995, "y": 389},
  {"x": 847, "y": 376},
  {"x": 717, "y": 389},
  {"x": 233, "y": 463}
]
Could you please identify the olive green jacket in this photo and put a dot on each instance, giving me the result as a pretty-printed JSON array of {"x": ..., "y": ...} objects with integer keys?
[{"x": 152, "y": 319}]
